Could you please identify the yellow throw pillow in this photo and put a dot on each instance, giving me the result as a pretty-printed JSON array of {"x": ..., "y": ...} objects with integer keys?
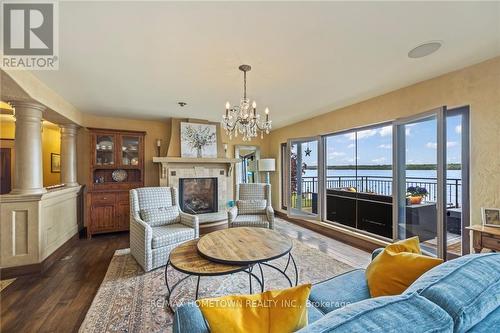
[
  {"x": 398, "y": 266},
  {"x": 278, "y": 311},
  {"x": 288, "y": 308}
]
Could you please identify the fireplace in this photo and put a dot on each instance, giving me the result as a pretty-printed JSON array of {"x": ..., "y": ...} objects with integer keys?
[{"x": 198, "y": 195}]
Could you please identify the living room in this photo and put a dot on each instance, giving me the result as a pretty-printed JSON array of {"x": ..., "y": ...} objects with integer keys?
[{"x": 324, "y": 167}]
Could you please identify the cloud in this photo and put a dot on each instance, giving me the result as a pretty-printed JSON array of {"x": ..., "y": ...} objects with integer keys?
[
  {"x": 385, "y": 131},
  {"x": 378, "y": 160},
  {"x": 336, "y": 154},
  {"x": 385, "y": 146},
  {"x": 351, "y": 145},
  {"x": 361, "y": 134},
  {"x": 458, "y": 129},
  {"x": 351, "y": 136},
  {"x": 433, "y": 145},
  {"x": 408, "y": 131}
]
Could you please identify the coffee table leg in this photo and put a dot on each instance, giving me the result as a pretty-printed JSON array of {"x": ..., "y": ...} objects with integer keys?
[
  {"x": 197, "y": 288},
  {"x": 166, "y": 277},
  {"x": 296, "y": 270},
  {"x": 250, "y": 275},
  {"x": 250, "y": 278},
  {"x": 288, "y": 262},
  {"x": 262, "y": 277}
]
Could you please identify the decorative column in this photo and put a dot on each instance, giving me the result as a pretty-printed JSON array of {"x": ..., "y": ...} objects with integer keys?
[
  {"x": 28, "y": 145},
  {"x": 68, "y": 154}
]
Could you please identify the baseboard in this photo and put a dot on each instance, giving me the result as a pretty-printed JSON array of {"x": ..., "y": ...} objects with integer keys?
[
  {"x": 358, "y": 242},
  {"x": 39, "y": 268}
]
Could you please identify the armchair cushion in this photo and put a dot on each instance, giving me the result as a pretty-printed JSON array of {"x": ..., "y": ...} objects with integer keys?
[
  {"x": 251, "y": 206},
  {"x": 171, "y": 234},
  {"x": 254, "y": 191},
  {"x": 160, "y": 216},
  {"x": 251, "y": 221}
]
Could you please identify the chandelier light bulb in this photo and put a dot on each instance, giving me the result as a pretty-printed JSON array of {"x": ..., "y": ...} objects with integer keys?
[{"x": 243, "y": 118}]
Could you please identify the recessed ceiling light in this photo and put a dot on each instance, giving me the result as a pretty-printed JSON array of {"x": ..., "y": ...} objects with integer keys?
[{"x": 425, "y": 49}]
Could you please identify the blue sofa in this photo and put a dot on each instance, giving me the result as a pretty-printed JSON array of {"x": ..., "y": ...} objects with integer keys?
[{"x": 461, "y": 295}]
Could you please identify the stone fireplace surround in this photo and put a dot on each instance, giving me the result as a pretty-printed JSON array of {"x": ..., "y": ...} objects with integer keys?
[{"x": 172, "y": 169}]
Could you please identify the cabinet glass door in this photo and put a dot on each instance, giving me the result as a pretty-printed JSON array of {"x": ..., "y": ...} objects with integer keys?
[
  {"x": 130, "y": 151},
  {"x": 105, "y": 150}
]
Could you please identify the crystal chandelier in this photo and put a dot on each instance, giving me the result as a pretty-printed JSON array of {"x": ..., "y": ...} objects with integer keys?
[{"x": 243, "y": 119}]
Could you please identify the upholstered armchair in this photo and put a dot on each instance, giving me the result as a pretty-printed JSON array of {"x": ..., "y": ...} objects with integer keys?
[
  {"x": 157, "y": 225},
  {"x": 253, "y": 207}
]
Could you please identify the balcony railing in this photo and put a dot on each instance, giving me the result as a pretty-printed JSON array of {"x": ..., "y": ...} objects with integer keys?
[{"x": 379, "y": 185}]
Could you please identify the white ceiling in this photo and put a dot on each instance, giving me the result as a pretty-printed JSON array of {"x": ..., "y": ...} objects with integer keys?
[{"x": 138, "y": 60}]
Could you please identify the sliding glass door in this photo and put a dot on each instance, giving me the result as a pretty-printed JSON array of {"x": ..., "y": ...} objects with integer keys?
[
  {"x": 419, "y": 179},
  {"x": 305, "y": 159},
  {"x": 392, "y": 180}
]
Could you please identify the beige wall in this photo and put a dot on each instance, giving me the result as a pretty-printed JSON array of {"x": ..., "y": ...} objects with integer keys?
[
  {"x": 477, "y": 86},
  {"x": 51, "y": 143}
]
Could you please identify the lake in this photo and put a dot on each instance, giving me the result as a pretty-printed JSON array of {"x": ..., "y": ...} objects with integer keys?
[{"x": 423, "y": 178}]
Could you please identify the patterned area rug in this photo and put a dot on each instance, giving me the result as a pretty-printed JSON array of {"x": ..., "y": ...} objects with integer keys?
[
  {"x": 130, "y": 300},
  {"x": 5, "y": 283}
]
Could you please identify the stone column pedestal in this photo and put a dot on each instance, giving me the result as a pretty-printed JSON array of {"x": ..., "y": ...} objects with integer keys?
[
  {"x": 68, "y": 154},
  {"x": 28, "y": 145}
]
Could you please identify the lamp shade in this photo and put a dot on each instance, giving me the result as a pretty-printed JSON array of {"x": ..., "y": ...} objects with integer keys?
[{"x": 267, "y": 164}]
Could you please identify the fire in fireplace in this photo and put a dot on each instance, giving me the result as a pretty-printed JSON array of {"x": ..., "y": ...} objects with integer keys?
[{"x": 198, "y": 195}]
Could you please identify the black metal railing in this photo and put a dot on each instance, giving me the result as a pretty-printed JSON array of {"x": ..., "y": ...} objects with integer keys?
[{"x": 380, "y": 185}]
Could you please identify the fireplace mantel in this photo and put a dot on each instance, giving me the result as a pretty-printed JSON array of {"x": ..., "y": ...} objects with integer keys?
[{"x": 187, "y": 160}]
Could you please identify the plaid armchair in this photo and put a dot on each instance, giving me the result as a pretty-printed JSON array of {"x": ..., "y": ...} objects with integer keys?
[
  {"x": 253, "y": 207},
  {"x": 157, "y": 225}
]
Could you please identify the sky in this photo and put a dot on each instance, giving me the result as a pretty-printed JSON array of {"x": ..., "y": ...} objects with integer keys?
[{"x": 374, "y": 146}]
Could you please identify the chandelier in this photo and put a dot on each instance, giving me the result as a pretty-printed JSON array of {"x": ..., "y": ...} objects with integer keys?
[{"x": 243, "y": 119}]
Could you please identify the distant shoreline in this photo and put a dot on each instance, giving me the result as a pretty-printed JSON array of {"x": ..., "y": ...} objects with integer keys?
[{"x": 451, "y": 166}]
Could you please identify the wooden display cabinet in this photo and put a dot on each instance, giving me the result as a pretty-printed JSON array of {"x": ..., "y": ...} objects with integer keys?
[{"x": 116, "y": 167}]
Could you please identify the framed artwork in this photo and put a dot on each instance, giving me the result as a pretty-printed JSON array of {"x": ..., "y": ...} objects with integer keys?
[
  {"x": 55, "y": 163},
  {"x": 198, "y": 140},
  {"x": 491, "y": 217}
]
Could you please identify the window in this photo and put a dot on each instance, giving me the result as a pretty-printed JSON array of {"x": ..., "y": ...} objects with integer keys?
[{"x": 359, "y": 179}]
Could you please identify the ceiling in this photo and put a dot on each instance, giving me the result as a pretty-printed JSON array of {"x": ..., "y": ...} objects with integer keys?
[{"x": 137, "y": 60}]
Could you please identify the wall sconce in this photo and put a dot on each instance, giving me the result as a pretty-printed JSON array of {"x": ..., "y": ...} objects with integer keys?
[
  {"x": 225, "y": 149},
  {"x": 158, "y": 146}
]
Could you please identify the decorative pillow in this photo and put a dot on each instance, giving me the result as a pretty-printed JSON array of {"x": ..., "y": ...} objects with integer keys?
[
  {"x": 397, "y": 267},
  {"x": 160, "y": 216},
  {"x": 251, "y": 206},
  {"x": 279, "y": 311}
]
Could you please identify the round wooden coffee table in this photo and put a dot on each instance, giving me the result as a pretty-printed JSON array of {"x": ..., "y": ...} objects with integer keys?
[
  {"x": 186, "y": 259},
  {"x": 248, "y": 246}
]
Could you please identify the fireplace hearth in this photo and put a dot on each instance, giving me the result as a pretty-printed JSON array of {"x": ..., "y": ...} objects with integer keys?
[{"x": 198, "y": 195}]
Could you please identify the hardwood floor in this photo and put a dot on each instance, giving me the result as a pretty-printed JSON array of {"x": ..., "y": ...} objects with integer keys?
[
  {"x": 58, "y": 300},
  {"x": 340, "y": 251}
]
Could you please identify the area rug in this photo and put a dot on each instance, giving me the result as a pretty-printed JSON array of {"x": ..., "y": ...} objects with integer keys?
[
  {"x": 130, "y": 300},
  {"x": 5, "y": 283}
]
